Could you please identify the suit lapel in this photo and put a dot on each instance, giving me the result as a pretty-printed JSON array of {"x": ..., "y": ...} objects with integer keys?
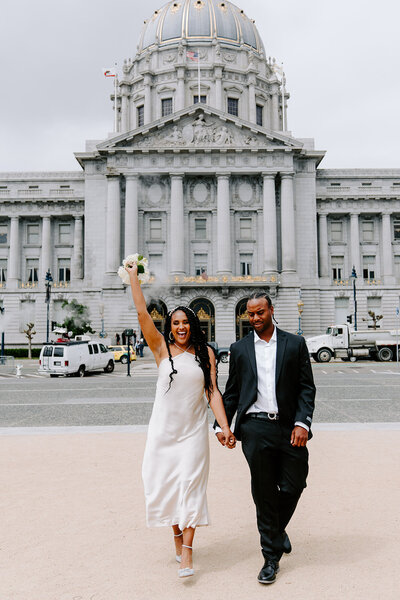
[
  {"x": 281, "y": 340},
  {"x": 249, "y": 340}
]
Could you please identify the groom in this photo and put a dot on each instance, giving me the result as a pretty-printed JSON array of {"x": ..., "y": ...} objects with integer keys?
[{"x": 271, "y": 388}]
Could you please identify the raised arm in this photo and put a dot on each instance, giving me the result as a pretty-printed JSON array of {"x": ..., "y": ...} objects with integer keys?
[{"x": 153, "y": 337}]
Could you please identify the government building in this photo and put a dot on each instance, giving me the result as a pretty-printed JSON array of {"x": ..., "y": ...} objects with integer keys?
[{"x": 201, "y": 176}]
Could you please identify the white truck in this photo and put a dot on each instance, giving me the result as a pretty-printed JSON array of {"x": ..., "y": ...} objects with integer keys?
[
  {"x": 75, "y": 357},
  {"x": 342, "y": 342}
]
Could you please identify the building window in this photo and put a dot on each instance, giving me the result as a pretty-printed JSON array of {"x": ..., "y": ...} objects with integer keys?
[
  {"x": 336, "y": 231},
  {"x": 337, "y": 264},
  {"x": 26, "y": 314},
  {"x": 246, "y": 264},
  {"x": 396, "y": 229},
  {"x": 203, "y": 99},
  {"x": 259, "y": 114},
  {"x": 200, "y": 264},
  {"x": 155, "y": 229},
  {"x": 245, "y": 229},
  {"x": 397, "y": 266},
  {"x": 140, "y": 116},
  {"x": 64, "y": 269},
  {"x": 200, "y": 229},
  {"x": 335, "y": 184},
  {"x": 166, "y": 107},
  {"x": 64, "y": 233},
  {"x": 233, "y": 106},
  {"x": 367, "y": 231},
  {"x": 366, "y": 184},
  {"x": 32, "y": 233},
  {"x": 32, "y": 270},
  {"x": 3, "y": 233},
  {"x": 155, "y": 264},
  {"x": 369, "y": 267},
  {"x": 3, "y": 270}
]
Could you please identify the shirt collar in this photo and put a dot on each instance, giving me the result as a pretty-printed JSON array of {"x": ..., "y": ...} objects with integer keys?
[{"x": 258, "y": 339}]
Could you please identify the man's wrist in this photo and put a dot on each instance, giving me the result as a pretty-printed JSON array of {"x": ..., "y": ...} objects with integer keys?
[{"x": 303, "y": 425}]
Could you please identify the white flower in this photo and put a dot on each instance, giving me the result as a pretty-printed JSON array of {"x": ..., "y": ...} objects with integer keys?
[{"x": 140, "y": 261}]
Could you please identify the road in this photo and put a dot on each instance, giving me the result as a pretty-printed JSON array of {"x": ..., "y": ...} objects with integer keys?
[{"x": 362, "y": 392}]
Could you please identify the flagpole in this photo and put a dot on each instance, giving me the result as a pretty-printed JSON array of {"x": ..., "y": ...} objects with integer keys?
[
  {"x": 198, "y": 72},
  {"x": 115, "y": 101}
]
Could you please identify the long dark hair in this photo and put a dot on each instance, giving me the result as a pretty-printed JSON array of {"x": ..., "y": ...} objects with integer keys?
[{"x": 198, "y": 341}]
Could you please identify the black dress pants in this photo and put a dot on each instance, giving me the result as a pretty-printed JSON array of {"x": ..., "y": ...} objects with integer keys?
[{"x": 278, "y": 477}]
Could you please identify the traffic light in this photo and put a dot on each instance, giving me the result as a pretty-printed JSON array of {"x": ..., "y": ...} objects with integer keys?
[{"x": 350, "y": 318}]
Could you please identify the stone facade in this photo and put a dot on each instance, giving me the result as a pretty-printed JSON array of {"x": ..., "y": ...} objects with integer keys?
[{"x": 220, "y": 197}]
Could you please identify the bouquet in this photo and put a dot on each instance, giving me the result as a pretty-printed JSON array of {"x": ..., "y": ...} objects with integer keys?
[{"x": 142, "y": 268}]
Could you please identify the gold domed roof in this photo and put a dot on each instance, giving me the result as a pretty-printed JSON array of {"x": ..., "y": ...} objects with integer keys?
[{"x": 200, "y": 21}]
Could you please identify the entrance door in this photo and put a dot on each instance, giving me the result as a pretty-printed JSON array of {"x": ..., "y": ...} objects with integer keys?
[
  {"x": 242, "y": 319},
  {"x": 204, "y": 309}
]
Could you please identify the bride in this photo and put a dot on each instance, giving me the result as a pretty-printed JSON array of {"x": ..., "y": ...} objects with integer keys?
[{"x": 176, "y": 459}]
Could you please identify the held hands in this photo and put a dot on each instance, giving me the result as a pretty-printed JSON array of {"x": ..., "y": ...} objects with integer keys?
[
  {"x": 299, "y": 436},
  {"x": 226, "y": 438}
]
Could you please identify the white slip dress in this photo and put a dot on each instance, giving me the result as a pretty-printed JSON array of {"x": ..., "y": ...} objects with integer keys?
[{"x": 176, "y": 458}]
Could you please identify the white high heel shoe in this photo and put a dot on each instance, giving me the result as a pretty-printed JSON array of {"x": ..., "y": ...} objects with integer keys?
[
  {"x": 177, "y": 557},
  {"x": 187, "y": 571}
]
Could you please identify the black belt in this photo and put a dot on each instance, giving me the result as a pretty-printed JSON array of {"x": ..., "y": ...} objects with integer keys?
[{"x": 263, "y": 416}]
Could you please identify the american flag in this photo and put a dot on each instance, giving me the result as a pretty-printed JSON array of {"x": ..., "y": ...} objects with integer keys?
[{"x": 193, "y": 55}]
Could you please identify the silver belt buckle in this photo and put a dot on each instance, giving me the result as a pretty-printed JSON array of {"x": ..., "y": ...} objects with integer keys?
[{"x": 272, "y": 416}]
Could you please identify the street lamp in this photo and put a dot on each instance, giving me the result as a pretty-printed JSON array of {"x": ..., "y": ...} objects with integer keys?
[
  {"x": 2, "y": 309},
  {"x": 49, "y": 280},
  {"x": 354, "y": 277},
  {"x": 300, "y": 307},
  {"x": 102, "y": 333}
]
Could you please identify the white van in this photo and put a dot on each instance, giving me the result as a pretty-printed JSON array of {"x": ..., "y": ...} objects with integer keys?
[{"x": 75, "y": 358}]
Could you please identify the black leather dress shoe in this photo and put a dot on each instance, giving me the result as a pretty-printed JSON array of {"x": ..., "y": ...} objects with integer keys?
[
  {"x": 286, "y": 545},
  {"x": 268, "y": 572}
]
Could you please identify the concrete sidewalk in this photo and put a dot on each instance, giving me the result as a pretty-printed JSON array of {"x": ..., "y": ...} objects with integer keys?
[{"x": 73, "y": 524}]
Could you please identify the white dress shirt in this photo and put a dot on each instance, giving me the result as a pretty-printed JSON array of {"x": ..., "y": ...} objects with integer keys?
[{"x": 266, "y": 363}]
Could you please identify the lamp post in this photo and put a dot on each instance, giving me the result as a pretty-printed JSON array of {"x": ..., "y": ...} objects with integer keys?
[
  {"x": 300, "y": 307},
  {"x": 102, "y": 333},
  {"x": 48, "y": 280},
  {"x": 354, "y": 277},
  {"x": 2, "y": 309}
]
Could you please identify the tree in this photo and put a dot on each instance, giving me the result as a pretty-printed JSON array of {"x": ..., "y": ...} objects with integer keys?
[
  {"x": 375, "y": 318},
  {"x": 30, "y": 332},
  {"x": 77, "y": 319}
]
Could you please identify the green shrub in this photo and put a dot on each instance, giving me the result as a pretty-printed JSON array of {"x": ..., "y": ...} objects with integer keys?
[{"x": 21, "y": 352}]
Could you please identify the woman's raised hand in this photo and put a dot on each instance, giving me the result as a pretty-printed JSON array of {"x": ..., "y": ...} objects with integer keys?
[{"x": 131, "y": 269}]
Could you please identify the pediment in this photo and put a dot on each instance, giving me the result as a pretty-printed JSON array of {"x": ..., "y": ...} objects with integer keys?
[{"x": 200, "y": 128}]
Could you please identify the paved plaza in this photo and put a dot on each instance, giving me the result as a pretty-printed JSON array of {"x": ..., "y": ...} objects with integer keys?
[{"x": 73, "y": 510}]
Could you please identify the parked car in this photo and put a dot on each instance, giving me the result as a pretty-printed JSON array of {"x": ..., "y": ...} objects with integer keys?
[
  {"x": 222, "y": 353},
  {"x": 121, "y": 353},
  {"x": 75, "y": 358}
]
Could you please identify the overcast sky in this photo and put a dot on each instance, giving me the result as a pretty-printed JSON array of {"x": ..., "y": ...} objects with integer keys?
[{"x": 341, "y": 58}]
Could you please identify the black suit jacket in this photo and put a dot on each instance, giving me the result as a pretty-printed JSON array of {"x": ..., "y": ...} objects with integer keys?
[{"x": 294, "y": 383}]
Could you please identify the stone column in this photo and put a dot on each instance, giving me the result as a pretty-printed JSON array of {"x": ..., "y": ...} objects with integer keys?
[
  {"x": 387, "y": 252},
  {"x": 113, "y": 225},
  {"x": 14, "y": 255},
  {"x": 77, "y": 264},
  {"x": 177, "y": 233},
  {"x": 275, "y": 111},
  {"x": 355, "y": 244},
  {"x": 45, "y": 258},
  {"x": 323, "y": 245},
  {"x": 131, "y": 215},
  {"x": 269, "y": 218},
  {"x": 224, "y": 262},
  {"x": 288, "y": 233},
  {"x": 147, "y": 99},
  {"x": 218, "y": 88},
  {"x": 252, "y": 99},
  {"x": 125, "y": 111},
  {"x": 180, "y": 92}
]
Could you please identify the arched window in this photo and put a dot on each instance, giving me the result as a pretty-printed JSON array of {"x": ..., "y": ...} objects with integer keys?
[
  {"x": 204, "y": 309},
  {"x": 158, "y": 312},
  {"x": 242, "y": 319}
]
